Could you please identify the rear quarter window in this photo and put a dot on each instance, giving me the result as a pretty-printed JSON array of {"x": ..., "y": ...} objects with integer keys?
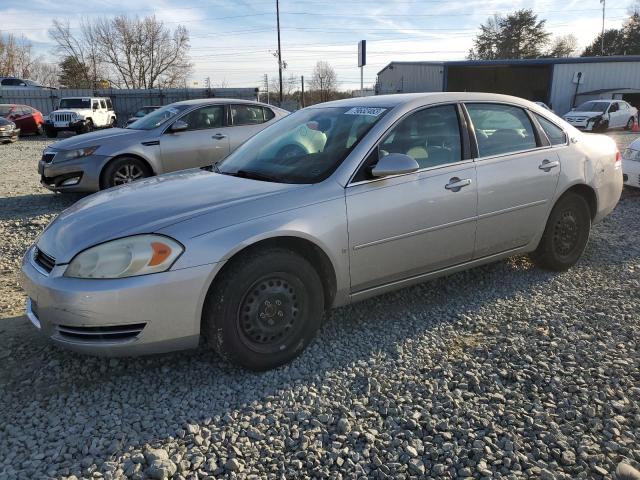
[{"x": 554, "y": 133}]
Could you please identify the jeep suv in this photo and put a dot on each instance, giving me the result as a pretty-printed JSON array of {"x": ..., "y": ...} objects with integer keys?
[{"x": 81, "y": 115}]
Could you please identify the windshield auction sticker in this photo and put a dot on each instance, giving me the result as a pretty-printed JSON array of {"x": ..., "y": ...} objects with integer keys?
[{"x": 373, "y": 111}]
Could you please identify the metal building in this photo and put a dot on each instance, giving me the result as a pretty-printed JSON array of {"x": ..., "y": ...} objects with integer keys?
[{"x": 559, "y": 82}]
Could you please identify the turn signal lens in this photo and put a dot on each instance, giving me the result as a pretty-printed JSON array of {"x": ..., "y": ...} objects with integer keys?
[{"x": 618, "y": 158}]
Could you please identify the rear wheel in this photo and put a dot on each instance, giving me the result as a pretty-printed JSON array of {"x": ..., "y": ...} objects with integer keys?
[
  {"x": 265, "y": 309},
  {"x": 124, "y": 170},
  {"x": 112, "y": 122},
  {"x": 566, "y": 234}
]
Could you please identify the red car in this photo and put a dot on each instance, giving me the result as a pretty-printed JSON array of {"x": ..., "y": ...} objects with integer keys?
[{"x": 26, "y": 118}]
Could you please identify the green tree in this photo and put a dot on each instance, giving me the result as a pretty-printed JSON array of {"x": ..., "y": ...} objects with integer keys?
[
  {"x": 74, "y": 74},
  {"x": 518, "y": 35},
  {"x": 618, "y": 41}
]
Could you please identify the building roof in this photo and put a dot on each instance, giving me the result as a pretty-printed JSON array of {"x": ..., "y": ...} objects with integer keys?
[{"x": 528, "y": 61}]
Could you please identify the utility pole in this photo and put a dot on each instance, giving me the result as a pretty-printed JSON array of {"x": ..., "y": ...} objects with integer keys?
[
  {"x": 279, "y": 49},
  {"x": 302, "y": 91},
  {"x": 266, "y": 86},
  {"x": 602, "y": 36}
]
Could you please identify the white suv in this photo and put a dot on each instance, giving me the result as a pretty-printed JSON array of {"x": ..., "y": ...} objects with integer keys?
[{"x": 81, "y": 115}]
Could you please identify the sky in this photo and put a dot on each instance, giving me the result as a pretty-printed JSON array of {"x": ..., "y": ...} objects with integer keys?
[{"x": 233, "y": 42}]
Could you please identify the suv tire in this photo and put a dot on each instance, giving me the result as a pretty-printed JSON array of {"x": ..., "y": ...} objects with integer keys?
[
  {"x": 265, "y": 309},
  {"x": 51, "y": 132},
  {"x": 565, "y": 235}
]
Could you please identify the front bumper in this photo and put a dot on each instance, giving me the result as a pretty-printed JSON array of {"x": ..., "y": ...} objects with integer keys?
[
  {"x": 631, "y": 173},
  {"x": 73, "y": 126},
  {"x": 9, "y": 134},
  {"x": 119, "y": 317},
  {"x": 86, "y": 169}
]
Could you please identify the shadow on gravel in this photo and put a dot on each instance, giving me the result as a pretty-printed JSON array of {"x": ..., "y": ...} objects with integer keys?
[{"x": 25, "y": 206}]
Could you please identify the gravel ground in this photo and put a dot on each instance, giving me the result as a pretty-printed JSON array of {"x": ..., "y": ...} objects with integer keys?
[{"x": 504, "y": 371}]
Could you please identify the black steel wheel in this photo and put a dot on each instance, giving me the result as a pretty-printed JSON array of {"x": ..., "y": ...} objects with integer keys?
[
  {"x": 566, "y": 234},
  {"x": 124, "y": 170},
  {"x": 264, "y": 309}
]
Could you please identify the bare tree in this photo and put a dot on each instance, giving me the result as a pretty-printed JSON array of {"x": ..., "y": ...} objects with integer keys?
[
  {"x": 563, "y": 46},
  {"x": 144, "y": 53},
  {"x": 82, "y": 48},
  {"x": 324, "y": 81},
  {"x": 129, "y": 52},
  {"x": 15, "y": 56},
  {"x": 289, "y": 86},
  {"x": 44, "y": 73}
]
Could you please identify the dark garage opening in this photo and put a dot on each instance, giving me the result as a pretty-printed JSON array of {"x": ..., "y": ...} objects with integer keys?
[
  {"x": 532, "y": 82},
  {"x": 632, "y": 99}
]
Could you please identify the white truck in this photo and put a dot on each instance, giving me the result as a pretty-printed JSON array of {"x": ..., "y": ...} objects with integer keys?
[{"x": 81, "y": 115}]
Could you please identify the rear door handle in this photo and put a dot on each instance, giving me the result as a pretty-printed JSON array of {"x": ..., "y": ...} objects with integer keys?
[
  {"x": 455, "y": 184},
  {"x": 547, "y": 165},
  {"x": 218, "y": 136}
]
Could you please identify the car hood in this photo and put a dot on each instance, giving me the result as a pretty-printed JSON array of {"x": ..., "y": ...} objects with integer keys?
[
  {"x": 148, "y": 206},
  {"x": 582, "y": 114},
  {"x": 90, "y": 139}
]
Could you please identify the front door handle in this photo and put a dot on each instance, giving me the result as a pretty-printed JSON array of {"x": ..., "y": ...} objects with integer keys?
[
  {"x": 547, "y": 165},
  {"x": 455, "y": 184},
  {"x": 218, "y": 136}
]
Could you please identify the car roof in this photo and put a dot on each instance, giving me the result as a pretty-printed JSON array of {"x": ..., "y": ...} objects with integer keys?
[
  {"x": 394, "y": 100},
  {"x": 204, "y": 101}
]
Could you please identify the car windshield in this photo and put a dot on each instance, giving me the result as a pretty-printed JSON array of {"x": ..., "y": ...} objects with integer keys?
[
  {"x": 593, "y": 107},
  {"x": 158, "y": 117},
  {"x": 75, "y": 103},
  {"x": 5, "y": 109},
  {"x": 304, "y": 147}
]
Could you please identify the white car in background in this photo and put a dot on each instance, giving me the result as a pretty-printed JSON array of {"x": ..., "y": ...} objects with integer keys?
[
  {"x": 599, "y": 115},
  {"x": 631, "y": 164}
]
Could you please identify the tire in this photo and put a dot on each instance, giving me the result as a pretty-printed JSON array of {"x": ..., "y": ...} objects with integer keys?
[
  {"x": 565, "y": 235},
  {"x": 629, "y": 125},
  {"x": 86, "y": 128},
  {"x": 603, "y": 126},
  {"x": 124, "y": 170},
  {"x": 51, "y": 132},
  {"x": 112, "y": 123},
  {"x": 243, "y": 319}
]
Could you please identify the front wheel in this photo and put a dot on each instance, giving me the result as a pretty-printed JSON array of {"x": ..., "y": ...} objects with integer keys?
[
  {"x": 51, "y": 132},
  {"x": 565, "y": 235},
  {"x": 265, "y": 309},
  {"x": 124, "y": 170},
  {"x": 629, "y": 125},
  {"x": 39, "y": 130}
]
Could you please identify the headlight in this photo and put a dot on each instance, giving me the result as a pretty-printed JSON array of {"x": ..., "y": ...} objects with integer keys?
[
  {"x": 126, "y": 257},
  {"x": 73, "y": 154},
  {"x": 631, "y": 154}
]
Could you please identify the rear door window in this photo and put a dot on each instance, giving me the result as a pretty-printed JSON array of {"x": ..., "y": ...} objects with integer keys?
[
  {"x": 501, "y": 129},
  {"x": 103, "y": 104},
  {"x": 246, "y": 115},
  {"x": 554, "y": 133}
]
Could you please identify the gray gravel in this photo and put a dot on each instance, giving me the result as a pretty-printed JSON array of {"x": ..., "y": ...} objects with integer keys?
[{"x": 504, "y": 371}]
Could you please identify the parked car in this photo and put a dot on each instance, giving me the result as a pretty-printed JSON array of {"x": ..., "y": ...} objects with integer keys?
[
  {"x": 405, "y": 188},
  {"x": 9, "y": 83},
  {"x": 141, "y": 113},
  {"x": 26, "y": 118},
  {"x": 599, "y": 115},
  {"x": 193, "y": 133},
  {"x": 8, "y": 131},
  {"x": 631, "y": 164},
  {"x": 80, "y": 115}
]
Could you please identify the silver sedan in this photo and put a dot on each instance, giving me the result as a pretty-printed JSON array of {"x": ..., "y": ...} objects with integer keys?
[
  {"x": 332, "y": 204},
  {"x": 193, "y": 133}
]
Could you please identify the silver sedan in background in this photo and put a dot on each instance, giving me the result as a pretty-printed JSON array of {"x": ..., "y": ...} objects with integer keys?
[
  {"x": 193, "y": 133},
  {"x": 332, "y": 204}
]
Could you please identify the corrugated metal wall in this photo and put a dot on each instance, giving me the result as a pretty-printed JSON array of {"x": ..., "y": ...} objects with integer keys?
[
  {"x": 125, "y": 102},
  {"x": 410, "y": 78},
  {"x": 596, "y": 76}
]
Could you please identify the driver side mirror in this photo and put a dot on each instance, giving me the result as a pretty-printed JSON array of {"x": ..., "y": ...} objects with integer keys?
[
  {"x": 394, "y": 164},
  {"x": 179, "y": 126}
]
